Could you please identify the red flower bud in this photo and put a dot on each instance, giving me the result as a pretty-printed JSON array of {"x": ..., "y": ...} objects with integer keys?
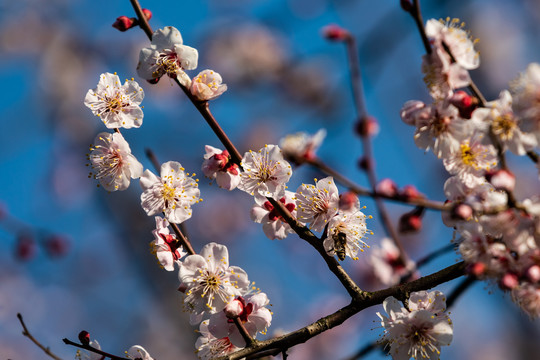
[
  {"x": 335, "y": 33},
  {"x": 509, "y": 281},
  {"x": 387, "y": 187},
  {"x": 477, "y": 269},
  {"x": 367, "y": 126},
  {"x": 409, "y": 192},
  {"x": 25, "y": 248},
  {"x": 147, "y": 14},
  {"x": 84, "y": 337},
  {"x": 123, "y": 23},
  {"x": 56, "y": 246}
]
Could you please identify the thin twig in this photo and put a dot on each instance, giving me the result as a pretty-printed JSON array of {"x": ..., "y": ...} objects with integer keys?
[
  {"x": 243, "y": 331},
  {"x": 143, "y": 21},
  {"x": 26, "y": 333},
  {"x": 417, "y": 16},
  {"x": 92, "y": 349}
]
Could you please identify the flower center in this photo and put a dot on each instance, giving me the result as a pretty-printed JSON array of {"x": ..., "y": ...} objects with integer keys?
[
  {"x": 440, "y": 125},
  {"x": 168, "y": 193},
  {"x": 115, "y": 104},
  {"x": 168, "y": 63},
  {"x": 468, "y": 157},
  {"x": 504, "y": 126}
]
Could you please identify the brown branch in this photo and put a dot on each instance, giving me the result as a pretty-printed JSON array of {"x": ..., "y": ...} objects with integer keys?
[
  {"x": 143, "y": 21},
  {"x": 26, "y": 333},
  {"x": 417, "y": 16},
  {"x": 243, "y": 331},
  {"x": 302, "y": 335},
  {"x": 92, "y": 349}
]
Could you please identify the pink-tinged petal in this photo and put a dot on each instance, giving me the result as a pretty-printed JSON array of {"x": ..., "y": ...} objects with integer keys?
[
  {"x": 188, "y": 56},
  {"x": 217, "y": 254},
  {"x": 190, "y": 267},
  {"x": 148, "y": 179},
  {"x": 218, "y": 325},
  {"x": 258, "y": 213}
]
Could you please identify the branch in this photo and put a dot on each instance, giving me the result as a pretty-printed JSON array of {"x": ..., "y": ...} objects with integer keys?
[
  {"x": 94, "y": 350},
  {"x": 26, "y": 333},
  {"x": 143, "y": 22},
  {"x": 357, "y": 305}
]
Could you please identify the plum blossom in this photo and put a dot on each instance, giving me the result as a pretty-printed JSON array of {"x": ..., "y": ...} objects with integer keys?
[
  {"x": 210, "y": 283},
  {"x": 420, "y": 331},
  {"x": 116, "y": 105},
  {"x": 254, "y": 316},
  {"x": 265, "y": 172},
  {"x": 112, "y": 163},
  {"x": 274, "y": 226},
  {"x": 301, "y": 146},
  {"x": 527, "y": 296},
  {"x": 441, "y": 76},
  {"x": 344, "y": 235},
  {"x": 173, "y": 193},
  {"x": 166, "y": 246},
  {"x": 217, "y": 165},
  {"x": 505, "y": 125},
  {"x": 210, "y": 347},
  {"x": 207, "y": 85},
  {"x": 386, "y": 264},
  {"x": 317, "y": 204},
  {"x": 472, "y": 160},
  {"x": 525, "y": 94},
  {"x": 137, "y": 352},
  {"x": 167, "y": 56}
]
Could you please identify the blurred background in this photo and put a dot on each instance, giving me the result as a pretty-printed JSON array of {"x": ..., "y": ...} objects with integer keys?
[{"x": 75, "y": 257}]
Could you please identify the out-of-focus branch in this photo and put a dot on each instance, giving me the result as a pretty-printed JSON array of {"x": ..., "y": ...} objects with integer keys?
[
  {"x": 26, "y": 333},
  {"x": 357, "y": 305}
]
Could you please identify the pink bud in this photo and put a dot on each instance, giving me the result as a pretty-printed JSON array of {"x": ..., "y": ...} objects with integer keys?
[
  {"x": 509, "y": 281},
  {"x": 367, "y": 126},
  {"x": 387, "y": 187},
  {"x": 147, "y": 14},
  {"x": 365, "y": 163},
  {"x": 123, "y": 23},
  {"x": 347, "y": 200},
  {"x": 233, "y": 309},
  {"x": 462, "y": 212},
  {"x": 26, "y": 247},
  {"x": 409, "y": 192},
  {"x": 533, "y": 273},
  {"x": 409, "y": 223},
  {"x": 465, "y": 103},
  {"x": 335, "y": 33},
  {"x": 477, "y": 269},
  {"x": 56, "y": 246},
  {"x": 84, "y": 337},
  {"x": 502, "y": 179}
]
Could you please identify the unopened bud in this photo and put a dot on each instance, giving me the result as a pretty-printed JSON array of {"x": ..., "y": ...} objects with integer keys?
[
  {"x": 335, "y": 33},
  {"x": 533, "y": 273},
  {"x": 406, "y": 5},
  {"x": 367, "y": 126},
  {"x": 347, "y": 200},
  {"x": 56, "y": 246},
  {"x": 409, "y": 192},
  {"x": 233, "y": 309},
  {"x": 123, "y": 23},
  {"x": 477, "y": 269},
  {"x": 464, "y": 102},
  {"x": 387, "y": 187},
  {"x": 153, "y": 81},
  {"x": 462, "y": 212},
  {"x": 409, "y": 223},
  {"x": 84, "y": 337},
  {"x": 509, "y": 281},
  {"x": 25, "y": 248},
  {"x": 365, "y": 163},
  {"x": 502, "y": 180},
  {"x": 147, "y": 14}
]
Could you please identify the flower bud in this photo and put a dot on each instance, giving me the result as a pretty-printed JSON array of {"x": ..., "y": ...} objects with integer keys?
[
  {"x": 406, "y": 5},
  {"x": 464, "y": 102},
  {"x": 123, "y": 23},
  {"x": 501, "y": 179},
  {"x": 347, "y": 200},
  {"x": 411, "y": 222},
  {"x": 387, "y": 187},
  {"x": 509, "y": 281},
  {"x": 462, "y": 212},
  {"x": 533, "y": 273},
  {"x": 367, "y": 126},
  {"x": 477, "y": 269},
  {"x": 56, "y": 246},
  {"x": 25, "y": 248},
  {"x": 84, "y": 337},
  {"x": 233, "y": 309},
  {"x": 409, "y": 192},
  {"x": 365, "y": 163},
  {"x": 207, "y": 85},
  {"x": 147, "y": 14},
  {"x": 335, "y": 33}
]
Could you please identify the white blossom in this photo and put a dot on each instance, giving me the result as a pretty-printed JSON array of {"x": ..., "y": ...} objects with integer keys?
[
  {"x": 165, "y": 245},
  {"x": 344, "y": 235},
  {"x": 525, "y": 90},
  {"x": 137, "y": 352},
  {"x": 115, "y": 104},
  {"x": 317, "y": 204},
  {"x": 112, "y": 163},
  {"x": 217, "y": 165},
  {"x": 300, "y": 146},
  {"x": 167, "y": 56},
  {"x": 209, "y": 281},
  {"x": 210, "y": 347},
  {"x": 207, "y": 85},
  {"x": 265, "y": 172},
  {"x": 386, "y": 263},
  {"x": 274, "y": 226},
  {"x": 173, "y": 193}
]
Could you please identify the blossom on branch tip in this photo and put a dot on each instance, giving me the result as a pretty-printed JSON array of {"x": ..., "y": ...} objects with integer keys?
[
  {"x": 207, "y": 85},
  {"x": 167, "y": 56},
  {"x": 173, "y": 193},
  {"x": 112, "y": 163},
  {"x": 166, "y": 246},
  {"x": 317, "y": 204},
  {"x": 116, "y": 105},
  {"x": 274, "y": 226},
  {"x": 218, "y": 165},
  {"x": 301, "y": 146},
  {"x": 209, "y": 280},
  {"x": 265, "y": 172}
]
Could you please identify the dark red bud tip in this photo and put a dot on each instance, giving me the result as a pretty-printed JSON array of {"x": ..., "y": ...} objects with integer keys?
[
  {"x": 409, "y": 192},
  {"x": 406, "y": 5},
  {"x": 367, "y": 126},
  {"x": 147, "y": 14},
  {"x": 84, "y": 337},
  {"x": 25, "y": 248},
  {"x": 56, "y": 246},
  {"x": 335, "y": 33},
  {"x": 409, "y": 223},
  {"x": 365, "y": 163},
  {"x": 123, "y": 23}
]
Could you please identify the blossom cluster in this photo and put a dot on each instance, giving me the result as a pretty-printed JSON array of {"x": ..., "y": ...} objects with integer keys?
[{"x": 499, "y": 236}]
